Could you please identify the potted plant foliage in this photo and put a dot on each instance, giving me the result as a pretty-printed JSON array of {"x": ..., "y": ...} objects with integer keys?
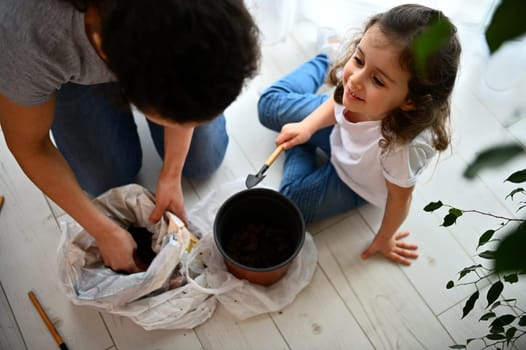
[
  {"x": 502, "y": 266},
  {"x": 499, "y": 267}
]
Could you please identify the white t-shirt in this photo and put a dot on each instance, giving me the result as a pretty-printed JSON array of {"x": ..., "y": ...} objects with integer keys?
[{"x": 364, "y": 166}]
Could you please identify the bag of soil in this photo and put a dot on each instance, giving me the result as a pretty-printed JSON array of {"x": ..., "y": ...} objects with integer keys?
[{"x": 187, "y": 275}]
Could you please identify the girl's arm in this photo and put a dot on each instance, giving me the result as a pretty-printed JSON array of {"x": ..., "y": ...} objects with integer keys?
[
  {"x": 388, "y": 240},
  {"x": 169, "y": 194},
  {"x": 26, "y": 131},
  {"x": 293, "y": 134}
]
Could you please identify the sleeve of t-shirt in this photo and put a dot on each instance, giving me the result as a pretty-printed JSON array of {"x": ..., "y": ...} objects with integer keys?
[
  {"x": 403, "y": 165},
  {"x": 25, "y": 78}
]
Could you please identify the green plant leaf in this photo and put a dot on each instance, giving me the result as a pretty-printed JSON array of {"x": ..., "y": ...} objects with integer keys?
[
  {"x": 449, "y": 220},
  {"x": 487, "y": 316},
  {"x": 488, "y": 254},
  {"x": 494, "y": 292},
  {"x": 450, "y": 285},
  {"x": 456, "y": 212},
  {"x": 493, "y": 157},
  {"x": 510, "y": 333},
  {"x": 497, "y": 329},
  {"x": 495, "y": 336},
  {"x": 503, "y": 320},
  {"x": 517, "y": 177},
  {"x": 513, "y": 278},
  {"x": 470, "y": 303},
  {"x": 509, "y": 300},
  {"x": 485, "y": 238},
  {"x": 467, "y": 270},
  {"x": 509, "y": 255},
  {"x": 457, "y": 346},
  {"x": 522, "y": 321},
  {"x": 514, "y": 192},
  {"x": 497, "y": 304},
  {"x": 430, "y": 41},
  {"x": 433, "y": 206},
  {"x": 507, "y": 23}
]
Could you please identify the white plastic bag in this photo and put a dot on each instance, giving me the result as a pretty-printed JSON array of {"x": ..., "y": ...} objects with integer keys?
[{"x": 143, "y": 297}]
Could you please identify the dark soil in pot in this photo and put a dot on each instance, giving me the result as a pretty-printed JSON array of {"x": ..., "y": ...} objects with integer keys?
[
  {"x": 259, "y": 245},
  {"x": 259, "y": 232}
]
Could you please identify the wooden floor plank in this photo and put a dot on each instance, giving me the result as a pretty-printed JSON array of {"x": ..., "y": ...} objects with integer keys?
[
  {"x": 129, "y": 336},
  {"x": 318, "y": 319},
  {"x": 28, "y": 243},
  {"x": 377, "y": 293},
  {"x": 224, "y": 332},
  {"x": 10, "y": 337}
]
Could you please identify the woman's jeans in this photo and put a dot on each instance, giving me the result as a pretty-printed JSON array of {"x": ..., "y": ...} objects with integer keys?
[
  {"x": 316, "y": 189},
  {"x": 101, "y": 144}
]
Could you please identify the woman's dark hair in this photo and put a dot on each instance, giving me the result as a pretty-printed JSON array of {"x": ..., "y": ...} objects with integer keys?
[
  {"x": 185, "y": 60},
  {"x": 430, "y": 88}
]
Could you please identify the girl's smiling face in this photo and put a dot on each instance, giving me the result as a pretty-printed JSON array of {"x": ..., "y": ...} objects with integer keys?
[{"x": 373, "y": 80}]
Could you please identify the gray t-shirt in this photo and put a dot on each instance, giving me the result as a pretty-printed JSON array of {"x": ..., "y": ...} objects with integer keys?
[{"x": 43, "y": 44}]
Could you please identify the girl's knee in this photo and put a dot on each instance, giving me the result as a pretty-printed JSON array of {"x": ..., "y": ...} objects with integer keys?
[
  {"x": 271, "y": 109},
  {"x": 265, "y": 105}
]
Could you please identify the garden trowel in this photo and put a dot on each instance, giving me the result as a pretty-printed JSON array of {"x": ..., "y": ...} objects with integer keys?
[{"x": 253, "y": 180}]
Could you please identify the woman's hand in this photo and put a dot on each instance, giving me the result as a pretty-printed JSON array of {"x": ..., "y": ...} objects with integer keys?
[
  {"x": 116, "y": 249},
  {"x": 393, "y": 248},
  {"x": 169, "y": 194},
  {"x": 169, "y": 197}
]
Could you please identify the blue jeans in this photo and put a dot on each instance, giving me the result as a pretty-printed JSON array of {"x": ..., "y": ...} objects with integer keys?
[
  {"x": 315, "y": 188},
  {"x": 99, "y": 139}
]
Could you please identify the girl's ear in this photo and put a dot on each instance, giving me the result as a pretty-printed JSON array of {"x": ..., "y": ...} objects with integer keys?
[{"x": 408, "y": 105}]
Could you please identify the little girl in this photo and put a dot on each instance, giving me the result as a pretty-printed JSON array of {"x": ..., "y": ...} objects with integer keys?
[{"x": 384, "y": 123}]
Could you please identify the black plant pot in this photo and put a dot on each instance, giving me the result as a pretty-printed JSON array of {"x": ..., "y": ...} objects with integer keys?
[{"x": 259, "y": 232}]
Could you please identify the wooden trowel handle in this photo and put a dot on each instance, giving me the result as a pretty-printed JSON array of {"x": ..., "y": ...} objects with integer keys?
[{"x": 274, "y": 155}]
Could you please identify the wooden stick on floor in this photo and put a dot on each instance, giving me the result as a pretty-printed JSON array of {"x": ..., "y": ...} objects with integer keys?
[{"x": 47, "y": 321}]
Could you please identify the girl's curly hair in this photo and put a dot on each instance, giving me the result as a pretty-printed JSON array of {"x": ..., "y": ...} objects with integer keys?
[{"x": 430, "y": 88}]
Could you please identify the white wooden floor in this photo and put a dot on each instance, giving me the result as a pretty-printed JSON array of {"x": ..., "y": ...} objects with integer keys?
[{"x": 350, "y": 303}]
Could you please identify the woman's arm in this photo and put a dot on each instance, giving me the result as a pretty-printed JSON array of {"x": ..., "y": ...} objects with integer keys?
[
  {"x": 169, "y": 194},
  {"x": 297, "y": 133},
  {"x": 26, "y": 131},
  {"x": 388, "y": 240}
]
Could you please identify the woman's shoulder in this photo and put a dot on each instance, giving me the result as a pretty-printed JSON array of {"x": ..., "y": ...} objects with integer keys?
[
  {"x": 35, "y": 21},
  {"x": 32, "y": 32},
  {"x": 44, "y": 45}
]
